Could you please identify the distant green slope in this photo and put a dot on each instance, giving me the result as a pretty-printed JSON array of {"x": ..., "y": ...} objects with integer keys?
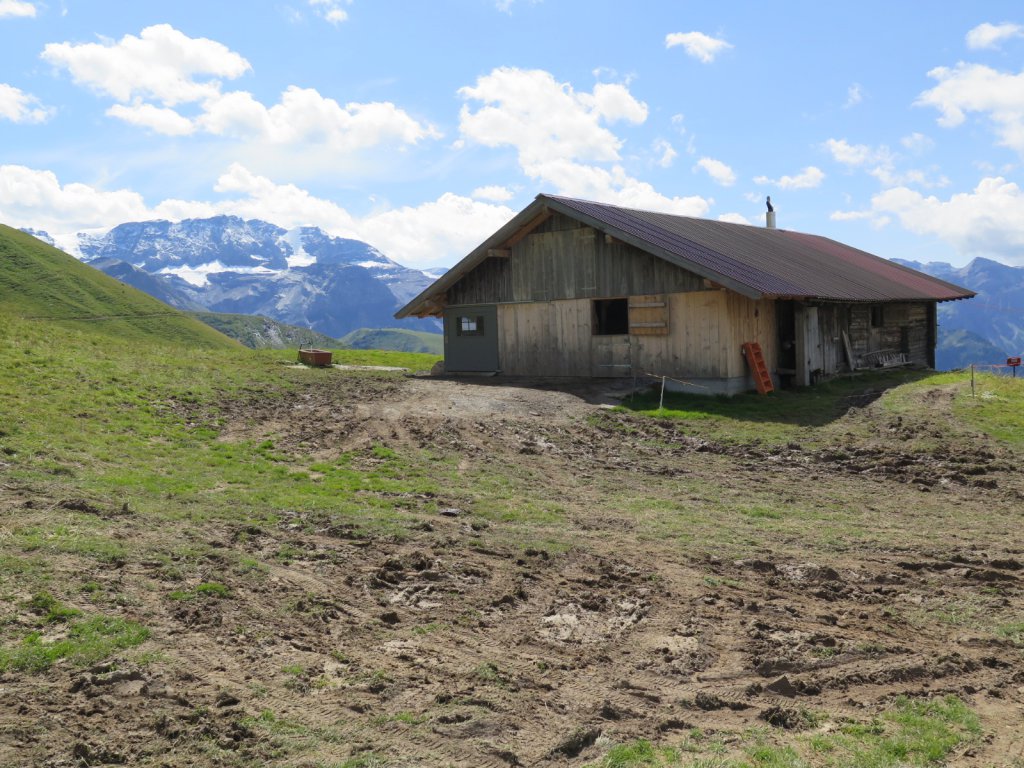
[
  {"x": 259, "y": 332},
  {"x": 396, "y": 339},
  {"x": 42, "y": 284}
]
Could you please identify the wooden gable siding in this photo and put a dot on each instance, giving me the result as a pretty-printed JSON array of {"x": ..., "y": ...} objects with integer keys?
[
  {"x": 563, "y": 259},
  {"x": 706, "y": 331}
]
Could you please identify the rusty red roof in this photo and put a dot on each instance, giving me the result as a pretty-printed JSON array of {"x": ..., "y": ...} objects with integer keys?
[
  {"x": 755, "y": 261},
  {"x": 772, "y": 262}
]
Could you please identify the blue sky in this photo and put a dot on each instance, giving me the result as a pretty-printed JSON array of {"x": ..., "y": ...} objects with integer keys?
[{"x": 421, "y": 127}]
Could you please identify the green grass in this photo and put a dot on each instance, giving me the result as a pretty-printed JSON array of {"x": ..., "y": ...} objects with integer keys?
[
  {"x": 88, "y": 641},
  {"x": 779, "y": 417},
  {"x": 258, "y": 332},
  {"x": 40, "y": 282},
  {"x": 395, "y": 339}
]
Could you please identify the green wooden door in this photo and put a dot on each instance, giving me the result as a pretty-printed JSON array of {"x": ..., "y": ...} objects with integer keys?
[{"x": 471, "y": 338}]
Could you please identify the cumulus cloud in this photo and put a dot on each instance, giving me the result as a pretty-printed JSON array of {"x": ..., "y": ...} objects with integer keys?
[
  {"x": 917, "y": 142},
  {"x": 881, "y": 162},
  {"x": 734, "y": 218},
  {"x": 976, "y": 88},
  {"x": 854, "y": 96},
  {"x": 159, "y": 119},
  {"x": 989, "y": 220},
  {"x": 561, "y": 135},
  {"x": 161, "y": 63},
  {"x": 719, "y": 172},
  {"x": 991, "y": 35},
  {"x": 332, "y": 11},
  {"x": 667, "y": 153},
  {"x": 165, "y": 66},
  {"x": 16, "y": 9},
  {"x": 698, "y": 45},
  {"x": 495, "y": 193},
  {"x": 37, "y": 199},
  {"x": 20, "y": 107},
  {"x": 809, "y": 178},
  {"x": 437, "y": 232}
]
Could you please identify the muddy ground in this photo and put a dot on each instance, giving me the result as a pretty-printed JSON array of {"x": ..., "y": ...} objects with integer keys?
[{"x": 471, "y": 642}]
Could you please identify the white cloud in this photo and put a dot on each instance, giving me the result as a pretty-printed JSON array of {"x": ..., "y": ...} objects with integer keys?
[
  {"x": 989, "y": 220},
  {"x": 702, "y": 47},
  {"x": 170, "y": 68},
  {"x": 850, "y": 215},
  {"x": 854, "y": 96},
  {"x": 719, "y": 172},
  {"x": 809, "y": 178},
  {"x": 883, "y": 161},
  {"x": 303, "y": 116},
  {"x": 977, "y": 88},
  {"x": 991, "y": 35},
  {"x": 332, "y": 11},
  {"x": 162, "y": 63},
  {"x": 851, "y": 154},
  {"x": 20, "y": 107},
  {"x": 36, "y": 199},
  {"x": 734, "y": 218},
  {"x": 16, "y": 9},
  {"x": 560, "y": 136},
  {"x": 667, "y": 152},
  {"x": 917, "y": 143},
  {"x": 495, "y": 193},
  {"x": 160, "y": 119}
]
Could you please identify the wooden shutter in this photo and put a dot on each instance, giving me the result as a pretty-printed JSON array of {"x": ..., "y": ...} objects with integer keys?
[{"x": 648, "y": 315}]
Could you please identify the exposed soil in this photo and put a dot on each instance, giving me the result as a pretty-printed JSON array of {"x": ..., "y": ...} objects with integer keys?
[{"x": 460, "y": 646}]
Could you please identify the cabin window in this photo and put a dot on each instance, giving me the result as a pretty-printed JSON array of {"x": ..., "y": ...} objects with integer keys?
[
  {"x": 877, "y": 316},
  {"x": 469, "y": 325},
  {"x": 611, "y": 317}
]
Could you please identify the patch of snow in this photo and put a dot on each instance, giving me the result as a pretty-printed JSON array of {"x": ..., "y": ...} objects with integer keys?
[
  {"x": 199, "y": 276},
  {"x": 377, "y": 265},
  {"x": 298, "y": 256}
]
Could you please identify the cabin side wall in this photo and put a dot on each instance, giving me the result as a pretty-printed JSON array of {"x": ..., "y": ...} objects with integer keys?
[{"x": 701, "y": 349}]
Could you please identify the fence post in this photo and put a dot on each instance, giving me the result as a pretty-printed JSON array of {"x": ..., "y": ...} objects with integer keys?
[
  {"x": 661, "y": 400},
  {"x": 972, "y": 380}
]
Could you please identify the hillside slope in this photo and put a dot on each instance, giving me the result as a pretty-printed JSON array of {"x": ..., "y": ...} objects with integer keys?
[
  {"x": 395, "y": 339},
  {"x": 40, "y": 283},
  {"x": 259, "y": 332}
]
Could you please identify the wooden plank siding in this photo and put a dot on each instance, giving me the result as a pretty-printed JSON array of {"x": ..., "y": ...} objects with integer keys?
[
  {"x": 552, "y": 264},
  {"x": 707, "y": 329}
]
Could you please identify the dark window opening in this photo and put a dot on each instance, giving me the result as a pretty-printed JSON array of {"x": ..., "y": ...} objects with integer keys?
[
  {"x": 877, "y": 316},
  {"x": 469, "y": 325},
  {"x": 905, "y": 339},
  {"x": 611, "y": 317}
]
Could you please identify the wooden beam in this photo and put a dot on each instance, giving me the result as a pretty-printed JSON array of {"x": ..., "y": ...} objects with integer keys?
[
  {"x": 532, "y": 224},
  {"x": 498, "y": 253}
]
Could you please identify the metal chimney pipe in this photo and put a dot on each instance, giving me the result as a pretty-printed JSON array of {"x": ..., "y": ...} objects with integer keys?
[{"x": 770, "y": 219}]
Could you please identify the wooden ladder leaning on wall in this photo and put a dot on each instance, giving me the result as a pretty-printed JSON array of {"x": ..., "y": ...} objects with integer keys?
[{"x": 762, "y": 377}]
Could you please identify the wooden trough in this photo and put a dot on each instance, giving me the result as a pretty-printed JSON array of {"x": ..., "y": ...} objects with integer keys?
[{"x": 318, "y": 357}]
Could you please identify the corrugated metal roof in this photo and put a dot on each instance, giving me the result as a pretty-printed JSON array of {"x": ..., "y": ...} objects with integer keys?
[
  {"x": 772, "y": 262},
  {"x": 755, "y": 261}
]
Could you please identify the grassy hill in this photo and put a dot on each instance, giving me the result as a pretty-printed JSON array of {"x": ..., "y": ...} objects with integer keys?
[
  {"x": 42, "y": 284},
  {"x": 258, "y": 332},
  {"x": 212, "y": 557},
  {"x": 395, "y": 339}
]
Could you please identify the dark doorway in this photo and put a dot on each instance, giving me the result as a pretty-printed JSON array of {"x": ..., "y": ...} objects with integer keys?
[
  {"x": 611, "y": 317},
  {"x": 785, "y": 319}
]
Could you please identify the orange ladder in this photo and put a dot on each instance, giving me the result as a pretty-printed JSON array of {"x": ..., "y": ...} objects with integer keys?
[{"x": 762, "y": 378}]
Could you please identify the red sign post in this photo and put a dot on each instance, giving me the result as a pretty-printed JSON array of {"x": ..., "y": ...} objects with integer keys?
[{"x": 1013, "y": 362}]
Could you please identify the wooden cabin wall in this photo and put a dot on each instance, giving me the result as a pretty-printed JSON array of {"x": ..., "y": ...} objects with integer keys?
[
  {"x": 706, "y": 331},
  {"x": 564, "y": 259}
]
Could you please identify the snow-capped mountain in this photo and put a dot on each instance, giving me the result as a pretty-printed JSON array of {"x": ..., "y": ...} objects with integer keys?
[{"x": 301, "y": 276}]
